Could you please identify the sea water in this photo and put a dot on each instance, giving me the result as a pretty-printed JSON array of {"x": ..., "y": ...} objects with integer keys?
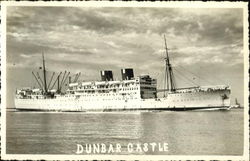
[{"x": 184, "y": 133}]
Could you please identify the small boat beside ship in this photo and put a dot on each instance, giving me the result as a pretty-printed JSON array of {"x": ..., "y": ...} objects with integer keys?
[
  {"x": 131, "y": 93},
  {"x": 236, "y": 105}
]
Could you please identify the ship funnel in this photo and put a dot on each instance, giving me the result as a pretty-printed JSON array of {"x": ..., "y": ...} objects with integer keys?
[
  {"x": 127, "y": 74},
  {"x": 107, "y": 75}
]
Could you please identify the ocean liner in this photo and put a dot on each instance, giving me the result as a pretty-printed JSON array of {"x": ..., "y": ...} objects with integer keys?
[{"x": 131, "y": 93}]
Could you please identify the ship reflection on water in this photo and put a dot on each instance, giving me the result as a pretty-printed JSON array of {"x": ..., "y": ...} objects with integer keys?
[{"x": 192, "y": 133}]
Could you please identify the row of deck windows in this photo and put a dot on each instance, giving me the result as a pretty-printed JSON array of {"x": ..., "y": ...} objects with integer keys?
[
  {"x": 191, "y": 99},
  {"x": 114, "y": 94},
  {"x": 111, "y": 86},
  {"x": 136, "y": 88},
  {"x": 100, "y": 99},
  {"x": 105, "y": 91}
]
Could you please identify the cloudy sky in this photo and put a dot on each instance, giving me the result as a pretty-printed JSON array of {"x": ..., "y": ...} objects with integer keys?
[{"x": 205, "y": 45}]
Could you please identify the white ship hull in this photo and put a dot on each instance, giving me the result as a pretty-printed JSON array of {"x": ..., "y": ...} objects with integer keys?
[
  {"x": 129, "y": 94},
  {"x": 199, "y": 100}
]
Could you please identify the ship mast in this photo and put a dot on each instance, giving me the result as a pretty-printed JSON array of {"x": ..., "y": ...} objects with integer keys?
[
  {"x": 44, "y": 76},
  {"x": 169, "y": 76}
]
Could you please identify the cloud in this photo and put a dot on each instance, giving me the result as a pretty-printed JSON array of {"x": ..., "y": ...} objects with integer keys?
[{"x": 90, "y": 39}]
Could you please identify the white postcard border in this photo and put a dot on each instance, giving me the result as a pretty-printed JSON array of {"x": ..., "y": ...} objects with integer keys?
[{"x": 242, "y": 5}]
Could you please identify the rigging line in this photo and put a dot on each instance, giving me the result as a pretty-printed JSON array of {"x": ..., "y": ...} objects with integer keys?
[
  {"x": 215, "y": 76},
  {"x": 195, "y": 75},
  {"x": 167, "y": 78},
  {"x": 76, "y": 75},
  {"x": 187, "y": 77},
  {"x": 164, "y": 82},
  {"x": 173, "y": 78},
  {"x": 161, "y": 79},
  {"x": 56, "y": 80},
  {"x": 39, "y": 78},
  {"x": 180, "y": 75},
  {"x": 51, "y": 79},
  {"x": 63, "y": 79},
  {"x": 221, "y": 80},
  {"x": 183, "y": 78},
  {"x": 188, "y": 71}
]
